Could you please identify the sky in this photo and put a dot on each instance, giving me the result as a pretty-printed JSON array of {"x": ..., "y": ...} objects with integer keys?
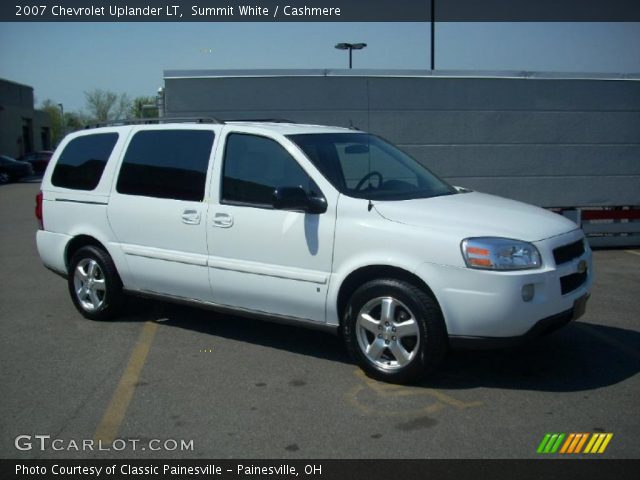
[{"x": 64, "y": 60}]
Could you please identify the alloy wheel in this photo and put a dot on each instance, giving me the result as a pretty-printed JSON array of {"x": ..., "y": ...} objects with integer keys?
[
  {"x": 90, "y": 285},
  {"x": 388, "y": 333}
]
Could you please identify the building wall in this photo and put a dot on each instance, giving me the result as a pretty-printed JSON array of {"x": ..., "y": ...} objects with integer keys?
[
  {"x": 16, "y": 111},
  {"x": 554, "y": 142}
]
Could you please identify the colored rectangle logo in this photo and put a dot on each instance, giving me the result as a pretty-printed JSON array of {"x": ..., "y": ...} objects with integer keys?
[{"x": 574, "y": 443}]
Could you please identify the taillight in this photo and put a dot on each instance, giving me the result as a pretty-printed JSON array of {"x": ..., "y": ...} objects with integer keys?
[{"x": 39, "y": 211}]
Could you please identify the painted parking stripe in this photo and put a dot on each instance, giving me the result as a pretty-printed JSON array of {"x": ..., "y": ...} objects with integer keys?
[{"x": 107, "y": 430}]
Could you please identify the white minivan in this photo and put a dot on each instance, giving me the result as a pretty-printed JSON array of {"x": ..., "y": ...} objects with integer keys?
[{"x": 319, "y": 226}]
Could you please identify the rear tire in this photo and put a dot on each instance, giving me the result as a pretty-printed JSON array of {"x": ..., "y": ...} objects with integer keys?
[
  {"x": 394, "y": 330},
  {"x": 94, "y": 284}
]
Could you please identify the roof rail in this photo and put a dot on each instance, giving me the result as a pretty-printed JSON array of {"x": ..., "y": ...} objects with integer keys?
[
  {"x": 151, "y": 121},
  {"x": 265, "y": 120}
]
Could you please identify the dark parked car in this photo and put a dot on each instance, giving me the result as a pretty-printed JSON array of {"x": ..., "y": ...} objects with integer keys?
[
  {"x": 38, "y": 160},
  {"x": 12, "y": 170}
]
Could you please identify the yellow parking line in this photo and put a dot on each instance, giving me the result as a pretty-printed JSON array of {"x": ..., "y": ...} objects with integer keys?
[
  {"x": 633, "y": 252},
  {"x": 107, "y": 431}
]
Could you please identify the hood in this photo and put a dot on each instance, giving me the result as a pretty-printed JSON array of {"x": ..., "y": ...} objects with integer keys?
[{"x": 477, "y": 215}]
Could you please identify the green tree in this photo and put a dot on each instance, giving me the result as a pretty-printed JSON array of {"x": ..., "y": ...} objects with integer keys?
[
  {"x": 63, "y": 124},
  {"x": 105, "y": 106},
  {"x": 143, "y": 107},
  {"x": 75, "y": 121},
  {"x": 57, "y": 122}
]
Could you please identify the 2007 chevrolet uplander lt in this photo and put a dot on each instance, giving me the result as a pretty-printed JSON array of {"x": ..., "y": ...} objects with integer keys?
[{"x": 322, "y": 226}]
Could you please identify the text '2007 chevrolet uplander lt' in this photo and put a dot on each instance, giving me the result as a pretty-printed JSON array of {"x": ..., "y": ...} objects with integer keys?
[{"x": 320, "y": 226}]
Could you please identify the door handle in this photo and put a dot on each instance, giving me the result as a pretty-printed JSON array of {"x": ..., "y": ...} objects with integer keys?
[
  {"x": 191, "y": 217},
  {"x": 222, "y": 220}
]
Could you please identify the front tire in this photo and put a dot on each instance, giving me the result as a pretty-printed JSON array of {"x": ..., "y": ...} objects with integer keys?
[
  {"x": 94, "y": 284},
  {"x": 394, "y": 330}
]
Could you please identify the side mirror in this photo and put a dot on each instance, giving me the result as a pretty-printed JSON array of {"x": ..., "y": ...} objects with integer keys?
[{"x": 296, "y": 199}]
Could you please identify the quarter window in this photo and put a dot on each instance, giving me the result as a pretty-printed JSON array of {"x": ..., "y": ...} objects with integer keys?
[
  {"x": 167, "y": 164},
  {"x": 255, "y": 166},
  {"x": 82, "y": 161}
]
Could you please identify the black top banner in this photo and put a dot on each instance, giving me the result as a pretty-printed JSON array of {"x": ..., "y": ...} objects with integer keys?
[{"x": 320, "y": 11}]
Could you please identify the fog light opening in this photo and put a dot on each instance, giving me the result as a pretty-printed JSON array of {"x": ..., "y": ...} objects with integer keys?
[{"x": 528, "y": 292}]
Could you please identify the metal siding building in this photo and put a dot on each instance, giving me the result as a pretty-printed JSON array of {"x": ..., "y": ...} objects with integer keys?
[{"x": 554, "y": 140}]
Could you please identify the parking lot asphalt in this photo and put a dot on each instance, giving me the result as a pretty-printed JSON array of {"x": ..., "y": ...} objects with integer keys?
[{"x": 238, "y": 388}]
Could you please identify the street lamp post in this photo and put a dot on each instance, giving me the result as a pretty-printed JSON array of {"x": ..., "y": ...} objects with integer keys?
[{"x": 350, "y": 47}]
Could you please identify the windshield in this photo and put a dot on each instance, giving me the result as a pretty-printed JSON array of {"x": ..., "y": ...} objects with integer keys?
[{"x": 365, "y": 166}]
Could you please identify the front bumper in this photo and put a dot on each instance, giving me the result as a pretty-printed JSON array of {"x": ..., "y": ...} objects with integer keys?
[
  {"x": 541, "y": 328},
  {"x": 489, "y": 304}
]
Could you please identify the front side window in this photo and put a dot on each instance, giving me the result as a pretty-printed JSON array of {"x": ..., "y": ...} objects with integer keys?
[
  {"x": 82, "y": 161},
  {"x": 167, "y": 164},
  {"x": 255, "y": 166},
  {"x": 365, "y": 166}
]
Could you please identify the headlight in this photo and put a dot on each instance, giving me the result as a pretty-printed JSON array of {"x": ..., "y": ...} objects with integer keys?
[{"x": 491, "y": 253}]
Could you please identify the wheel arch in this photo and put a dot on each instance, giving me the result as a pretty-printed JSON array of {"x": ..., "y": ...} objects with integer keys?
[
  {"x": 370, "y": 272},
  {"x": 76, "y": 243}
]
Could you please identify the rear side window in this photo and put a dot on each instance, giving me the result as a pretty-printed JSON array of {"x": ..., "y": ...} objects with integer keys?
[
  {"x": 167, "y": 164},
  {"x": 82, "y": 161}
]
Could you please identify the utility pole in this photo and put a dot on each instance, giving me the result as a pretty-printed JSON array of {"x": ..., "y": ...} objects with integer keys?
[{"x": 433, "y": 34}]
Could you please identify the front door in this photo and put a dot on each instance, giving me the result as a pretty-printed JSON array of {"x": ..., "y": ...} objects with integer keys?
[{"x": 262, "y": 259}]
